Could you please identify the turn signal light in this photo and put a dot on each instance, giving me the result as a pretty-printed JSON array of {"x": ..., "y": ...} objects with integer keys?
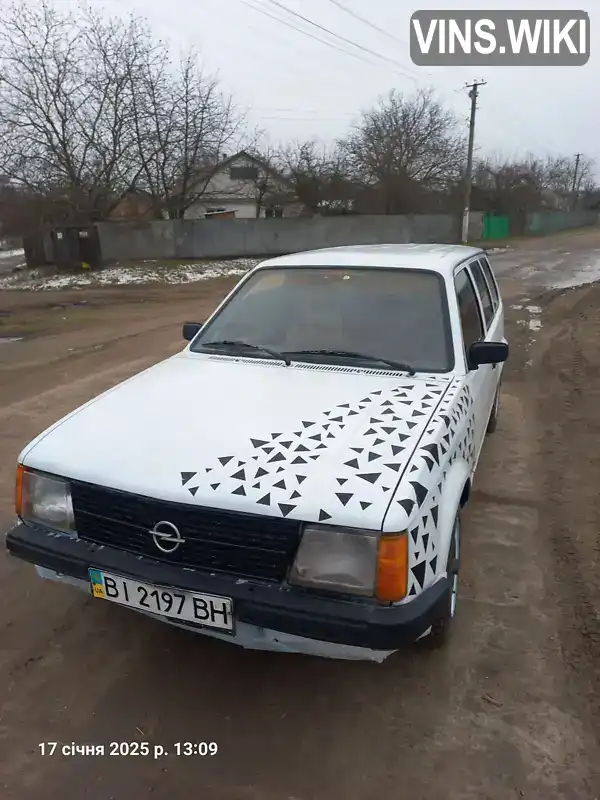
[
  {"x": 392, "y": 568},
  {"x": 19, "y": 489}
]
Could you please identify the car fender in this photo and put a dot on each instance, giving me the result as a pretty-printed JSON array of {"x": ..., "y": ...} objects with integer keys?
[{"x": 452, "y": 491}]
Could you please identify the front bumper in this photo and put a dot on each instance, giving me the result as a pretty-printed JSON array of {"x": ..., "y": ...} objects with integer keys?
[{"x": 294, "y": 612}]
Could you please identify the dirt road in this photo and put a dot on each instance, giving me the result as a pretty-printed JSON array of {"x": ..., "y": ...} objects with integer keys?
[{"x": 510, "y": 710}]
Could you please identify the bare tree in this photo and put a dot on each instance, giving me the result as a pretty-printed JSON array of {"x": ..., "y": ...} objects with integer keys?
[
  {"x": 65, "y": 102},
  {"x": 531, "y": 184},
  {"x": 562, "y": 173},
  {"x": 507, "y": 187},
  {"x": 318, "y": 176},
  {"x": 183, "y": 122},
  {"x": 406, "y": 146},
  {"x": 92, "y": 107}
]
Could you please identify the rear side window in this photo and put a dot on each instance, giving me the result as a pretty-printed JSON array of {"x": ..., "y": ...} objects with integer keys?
[
  {"x": 470, "y": 316},
  {"x": 489, "y": 275},
  {"x": 484, "y": 292}
]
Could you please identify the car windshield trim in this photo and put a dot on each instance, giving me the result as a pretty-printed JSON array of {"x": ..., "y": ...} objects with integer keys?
[
  {"x": 353, "y": 355},
  {"x": 258, "y": 348},
  {"x": 447, "y": 343}
]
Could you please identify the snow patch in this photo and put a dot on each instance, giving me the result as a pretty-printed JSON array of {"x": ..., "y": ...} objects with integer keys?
[
  {"x": 11, "y": 253},
  {"x": 123, "y": 276},
  {"x": 533, "y": 323}
]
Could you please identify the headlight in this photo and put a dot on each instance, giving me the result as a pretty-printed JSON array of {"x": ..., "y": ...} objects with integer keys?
[
  {"x": 44, "y": 500},
  {"x": 352, "y": 561}
]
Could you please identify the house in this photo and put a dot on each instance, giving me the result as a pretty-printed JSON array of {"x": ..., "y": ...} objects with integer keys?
[{"x": 247, "y": 186}]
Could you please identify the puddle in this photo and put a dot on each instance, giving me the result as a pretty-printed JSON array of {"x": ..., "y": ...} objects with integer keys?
[
  {"x": 10, "y": 339},
  {"x": 581, "y": 275},
  {"x": 534, "y": 309},
  {"x": 535, "y": 324}
]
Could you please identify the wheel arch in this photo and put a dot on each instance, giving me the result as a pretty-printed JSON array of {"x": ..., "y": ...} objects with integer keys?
[{"x": 455, "y": 494}]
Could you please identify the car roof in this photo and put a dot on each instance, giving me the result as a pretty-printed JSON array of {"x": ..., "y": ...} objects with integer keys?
[{"x": 441, "y": 258}]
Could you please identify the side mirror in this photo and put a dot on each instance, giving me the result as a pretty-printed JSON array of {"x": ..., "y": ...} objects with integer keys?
[
  {"x": 487, "y": 353},
  {"x": 190, "y": 329}
]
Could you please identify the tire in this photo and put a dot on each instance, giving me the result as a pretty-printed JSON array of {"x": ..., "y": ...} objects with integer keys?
[
  {"x": 440, "y": 629},
  {"x": 493, "y": 420}
]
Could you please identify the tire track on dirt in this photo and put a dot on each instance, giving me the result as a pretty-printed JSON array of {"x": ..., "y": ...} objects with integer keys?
[{"x": 568, "y": 390}]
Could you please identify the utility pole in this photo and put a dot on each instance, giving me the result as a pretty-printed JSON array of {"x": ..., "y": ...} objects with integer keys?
[
  {"x": 473, "y": 94},
  {"x": 573, "y": 189}
]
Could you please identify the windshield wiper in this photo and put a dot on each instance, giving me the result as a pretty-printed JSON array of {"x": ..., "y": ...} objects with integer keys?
[
  {"x": 400, "y": 365},
  {"x": 258, "y": 347}
]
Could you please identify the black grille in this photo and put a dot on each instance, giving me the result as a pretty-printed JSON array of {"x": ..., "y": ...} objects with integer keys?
[{"x": 247, "y": 545}]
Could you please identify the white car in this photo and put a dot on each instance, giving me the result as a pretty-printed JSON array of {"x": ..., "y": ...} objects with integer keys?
[{"x": 293, "y": 479}]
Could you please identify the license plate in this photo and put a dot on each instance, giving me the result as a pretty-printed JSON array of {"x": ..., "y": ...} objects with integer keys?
[{"x": 177, "y": 604}]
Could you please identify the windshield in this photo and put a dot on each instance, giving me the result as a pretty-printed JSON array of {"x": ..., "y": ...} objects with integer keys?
[{"x": 398, "y": 314}]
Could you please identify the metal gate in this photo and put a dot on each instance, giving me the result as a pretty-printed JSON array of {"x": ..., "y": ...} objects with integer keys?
[{"x": 496, "y": 226}]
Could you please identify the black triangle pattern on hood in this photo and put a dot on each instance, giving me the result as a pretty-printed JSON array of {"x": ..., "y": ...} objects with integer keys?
[
  {"x": 379, "y": 468},
  {"x": 369, "y": 467}
]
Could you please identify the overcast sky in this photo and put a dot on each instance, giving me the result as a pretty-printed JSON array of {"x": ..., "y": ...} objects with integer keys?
[{"x": 295, "y": 87}]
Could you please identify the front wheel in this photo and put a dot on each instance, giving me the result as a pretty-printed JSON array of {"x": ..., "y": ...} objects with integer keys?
[{"x": 440, "y": 629}]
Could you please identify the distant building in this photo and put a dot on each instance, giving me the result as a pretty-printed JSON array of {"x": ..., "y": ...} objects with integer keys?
[{"x": 245, "y": 187}]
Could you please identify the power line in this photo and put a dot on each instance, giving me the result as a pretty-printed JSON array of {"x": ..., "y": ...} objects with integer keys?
[
  {"x": 500, "y": 121},
  {"x": 368, "y": 22},
  {"x": 372, "y": 25},
  {"x": 300, "y": 110},
  {"x": 267, "y": 54},
  {"x": 300, "y": 113},
  {"x": 344, "y": 39},
  {"x": 310, "y": 35},
  {"x": 306, "y": 119}
]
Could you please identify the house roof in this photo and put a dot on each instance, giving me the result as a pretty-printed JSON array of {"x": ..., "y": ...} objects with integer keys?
[{"x": 257, "y": 160}]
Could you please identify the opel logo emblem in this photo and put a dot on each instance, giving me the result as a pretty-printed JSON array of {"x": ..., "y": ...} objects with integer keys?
[{"x": 166, "y": 536}]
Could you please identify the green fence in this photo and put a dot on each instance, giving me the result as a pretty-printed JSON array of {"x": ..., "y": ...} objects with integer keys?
[
  {"x": 496, "y": 226},
  {"x": 552, "y": 221}
]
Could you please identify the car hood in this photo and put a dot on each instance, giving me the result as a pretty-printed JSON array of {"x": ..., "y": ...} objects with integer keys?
[{"x": 316, "y": 443}]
